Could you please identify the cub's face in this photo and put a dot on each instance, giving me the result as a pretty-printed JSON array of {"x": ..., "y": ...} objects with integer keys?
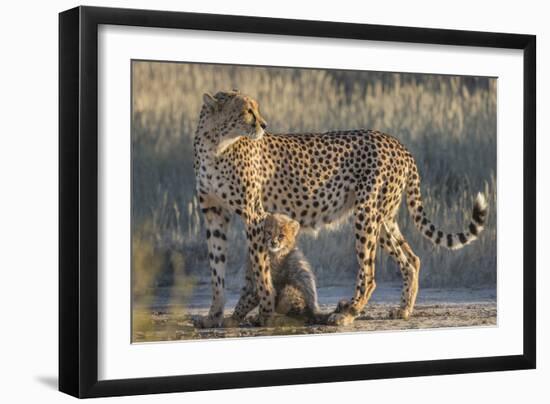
[
  {"x": 239, "y": 114},
  {"x": 280, "y": 232}
]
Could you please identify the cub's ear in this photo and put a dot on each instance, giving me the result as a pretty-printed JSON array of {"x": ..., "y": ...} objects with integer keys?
[
  {"x": 209, "y": 100},
  {"x": 294, "y": 227}
]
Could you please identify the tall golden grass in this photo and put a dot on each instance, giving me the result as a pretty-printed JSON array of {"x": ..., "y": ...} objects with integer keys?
[{"x": 448, "y": 123}]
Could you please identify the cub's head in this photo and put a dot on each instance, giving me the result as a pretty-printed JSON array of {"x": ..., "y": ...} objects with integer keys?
[
  {"x": 280, "y": 232},
  {"x": 234, "y": 115}
]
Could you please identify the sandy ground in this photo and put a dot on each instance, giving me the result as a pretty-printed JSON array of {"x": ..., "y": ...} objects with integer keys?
[{"x": 165, "y": 320}]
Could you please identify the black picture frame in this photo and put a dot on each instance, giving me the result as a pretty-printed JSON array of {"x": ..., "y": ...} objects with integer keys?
[{"x": 78, "y": 201}]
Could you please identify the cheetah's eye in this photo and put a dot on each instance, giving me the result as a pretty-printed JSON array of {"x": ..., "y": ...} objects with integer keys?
[
  {"x": 250, "y": 112},
  {"x": 281, "y": 236}
]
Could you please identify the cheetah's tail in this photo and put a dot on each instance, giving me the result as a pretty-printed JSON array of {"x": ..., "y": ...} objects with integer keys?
[{"x": 452, "y": 241}]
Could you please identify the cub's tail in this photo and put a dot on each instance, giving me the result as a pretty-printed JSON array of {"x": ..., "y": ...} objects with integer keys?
[{"x": 452, "y": 241}]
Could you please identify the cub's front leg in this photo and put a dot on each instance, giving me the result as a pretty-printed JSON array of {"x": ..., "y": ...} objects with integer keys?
[
  {"x": 217, "y": 220},
  {"x": 260, "y": 268}
]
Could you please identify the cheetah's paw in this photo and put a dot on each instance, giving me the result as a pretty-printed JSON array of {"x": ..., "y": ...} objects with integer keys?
[
  {"x": 210, "y": 322},
  {"x": 400, "y": 313},
  {"x": 340, "y": 319},
  {"x": 231, "y": 322},
  {"x": 264, "y": 321},
  {"x": 343, "y": 306}
]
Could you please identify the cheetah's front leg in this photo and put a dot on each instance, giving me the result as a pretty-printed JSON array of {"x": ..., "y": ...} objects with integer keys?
[
  {"x": 217, "y": 221},
  {"x": 261, "y": 269},
  {"x": 249, "y": 298}
]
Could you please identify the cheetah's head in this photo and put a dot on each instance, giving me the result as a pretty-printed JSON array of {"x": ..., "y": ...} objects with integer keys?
[{"x": 234, "y": 115}]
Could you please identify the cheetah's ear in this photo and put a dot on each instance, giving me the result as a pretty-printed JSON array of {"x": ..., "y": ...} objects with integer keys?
[
  {"x": 294, "y": 227},
  {"x": 209, "y": 100}
]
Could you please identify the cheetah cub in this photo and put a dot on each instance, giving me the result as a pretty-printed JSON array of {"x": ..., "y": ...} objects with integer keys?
[{"x": 292, "y": 277}]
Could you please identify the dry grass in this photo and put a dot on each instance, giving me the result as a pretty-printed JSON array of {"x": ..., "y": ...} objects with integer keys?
[
  {"x": 448, "y": 123},
  {"x": 155, "y": 263}
]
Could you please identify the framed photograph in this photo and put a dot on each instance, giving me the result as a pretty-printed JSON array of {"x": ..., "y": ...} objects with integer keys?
[{"x": 251, "y": 201}]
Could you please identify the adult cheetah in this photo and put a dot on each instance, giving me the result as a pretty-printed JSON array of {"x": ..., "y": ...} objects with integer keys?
[{"x": 317, "y": 179}]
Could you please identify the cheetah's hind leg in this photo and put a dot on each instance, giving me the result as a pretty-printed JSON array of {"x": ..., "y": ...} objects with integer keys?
[{"x": 409, "y": 265}]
